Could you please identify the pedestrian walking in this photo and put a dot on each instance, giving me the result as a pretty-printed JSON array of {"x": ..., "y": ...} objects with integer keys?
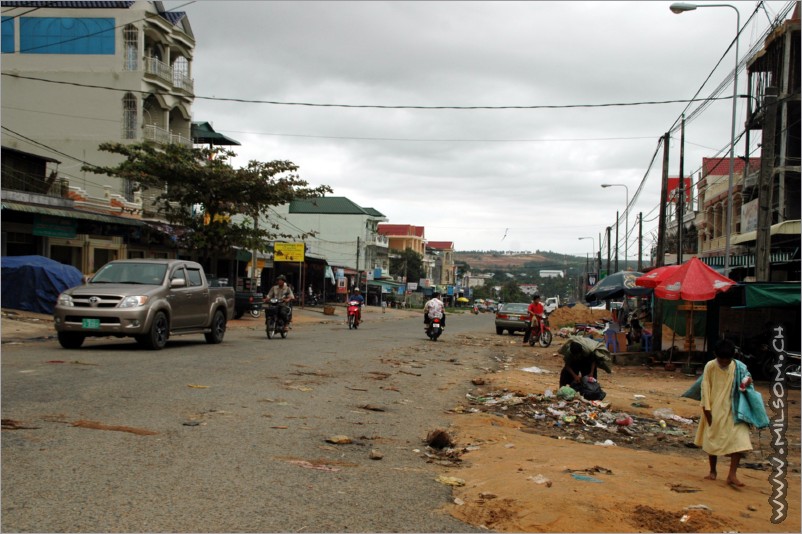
[{"x": 729, "y": 405}]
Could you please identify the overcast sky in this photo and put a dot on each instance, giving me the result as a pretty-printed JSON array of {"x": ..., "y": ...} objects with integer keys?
[{"x": 503, "y": 179}]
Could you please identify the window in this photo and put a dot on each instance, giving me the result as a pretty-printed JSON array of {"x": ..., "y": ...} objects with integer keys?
[
  {"x": 8, "y": 35},
  {"x": 131, "y": 42},
  {"x": 195, "y": 279},
  {"x": 129, "y": 116},
  {"x": 65, "y": 35}
]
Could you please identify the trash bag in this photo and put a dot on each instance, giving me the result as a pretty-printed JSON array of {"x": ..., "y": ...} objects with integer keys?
[{"x": 591, "y": 390}]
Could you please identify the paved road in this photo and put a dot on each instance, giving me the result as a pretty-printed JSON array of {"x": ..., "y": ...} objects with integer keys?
[{"x": 233, "y": 437}]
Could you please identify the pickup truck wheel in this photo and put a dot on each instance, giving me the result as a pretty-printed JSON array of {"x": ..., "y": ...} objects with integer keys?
[
  {"x": 71, "y": 340},
  {"x": 156, "y": 339},
  {"x": 218, "y": 328}
]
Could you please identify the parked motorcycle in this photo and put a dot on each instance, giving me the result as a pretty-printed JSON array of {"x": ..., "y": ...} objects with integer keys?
[
  {"x": 275, "y": 322},
  {"x": 538, "y": 335},
  {"x": 434, "y": 328},
  {"x": 354, "y": 314},
  {"x": 314, "y": 300}
]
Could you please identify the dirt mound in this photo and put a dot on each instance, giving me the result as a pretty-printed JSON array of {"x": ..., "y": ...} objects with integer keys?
[{"x": 578, "y": 313}]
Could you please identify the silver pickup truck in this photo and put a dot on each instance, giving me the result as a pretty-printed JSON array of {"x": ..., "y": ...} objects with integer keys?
[{"x": 149, "y": 300}]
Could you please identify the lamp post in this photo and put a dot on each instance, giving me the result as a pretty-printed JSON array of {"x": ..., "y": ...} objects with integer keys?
[
  {"x": 592, "y": 246},
  {"x": 626, "y": 222},
  {"x": 681, "y": 7}
]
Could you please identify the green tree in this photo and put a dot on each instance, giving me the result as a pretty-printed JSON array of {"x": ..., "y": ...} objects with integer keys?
[
  {"x": 203, "y": 190},
  {"x": 408, "y": 264}
]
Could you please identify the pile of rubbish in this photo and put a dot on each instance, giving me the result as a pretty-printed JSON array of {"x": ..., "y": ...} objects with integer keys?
[{"x": 567, "y": 415}]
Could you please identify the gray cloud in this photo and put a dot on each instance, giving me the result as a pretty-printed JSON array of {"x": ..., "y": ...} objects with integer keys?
[{"x": 468, "y": 175}]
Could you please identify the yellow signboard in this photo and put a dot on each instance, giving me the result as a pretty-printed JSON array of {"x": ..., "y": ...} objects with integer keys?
[{"x": 288, "y": 252}]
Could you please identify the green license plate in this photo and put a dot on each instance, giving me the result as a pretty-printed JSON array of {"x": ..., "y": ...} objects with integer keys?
[{"x": 91, "y": 323}]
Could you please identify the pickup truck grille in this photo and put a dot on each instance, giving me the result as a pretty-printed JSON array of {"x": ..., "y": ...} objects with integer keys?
[{"x": 106, "y": 301}]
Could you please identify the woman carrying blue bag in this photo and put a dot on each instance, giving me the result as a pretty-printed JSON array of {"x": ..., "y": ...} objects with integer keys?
[{"x": 730, "y": 405}]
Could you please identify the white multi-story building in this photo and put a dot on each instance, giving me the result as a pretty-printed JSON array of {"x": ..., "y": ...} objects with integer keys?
[
  {"x": 75, "y": 75},
  {"x": 346, "y": 234},
  {"x": 78, "y": 74}
]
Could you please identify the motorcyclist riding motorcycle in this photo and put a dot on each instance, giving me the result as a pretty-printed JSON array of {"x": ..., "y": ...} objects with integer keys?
[
  {"x": 357, "y": 296},
  {"x": 434, "y": 307},
  {"x": 535, "y": 310},
  {"x": 282, "y": 292}
]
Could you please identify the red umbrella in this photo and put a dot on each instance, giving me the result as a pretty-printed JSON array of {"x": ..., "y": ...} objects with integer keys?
[
  {"x": 653, "y": 278},
  {"x": 693, "y": 280}
]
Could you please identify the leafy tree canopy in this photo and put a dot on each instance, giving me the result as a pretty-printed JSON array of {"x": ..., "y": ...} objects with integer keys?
[
  {"x": 409, "y": 264},
  {"x": 203, "y": 178}
]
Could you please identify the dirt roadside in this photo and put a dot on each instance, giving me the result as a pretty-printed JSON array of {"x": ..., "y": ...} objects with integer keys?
[{"x": 524, "y": 467}]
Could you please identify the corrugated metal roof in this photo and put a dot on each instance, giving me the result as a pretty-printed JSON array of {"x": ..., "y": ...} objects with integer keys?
[
  {"x": 327, "y": 205},
  {"x": 374, "y": 212},
  {"x": 69, "y": 214}
]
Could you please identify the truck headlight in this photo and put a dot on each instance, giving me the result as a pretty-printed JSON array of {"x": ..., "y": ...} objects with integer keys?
[
  {"x": 133, "y": 302},
  {"x": 65, "y": 300}
]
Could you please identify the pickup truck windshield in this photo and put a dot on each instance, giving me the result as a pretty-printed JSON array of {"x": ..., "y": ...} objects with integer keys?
[{"x": 130, "y": 273}]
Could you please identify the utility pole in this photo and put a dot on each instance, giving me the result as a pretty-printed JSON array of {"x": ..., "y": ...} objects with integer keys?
[
  {"x": 657, "y": 316},
  {"x": 640, "y": 242},
  {"x": 357, "y": 263},
  {"x": 608, "y": 250},
  {"x": 616, "y": 241},
  {"x": 681, "y": 200},
  {"x": 765, "y": 186}
]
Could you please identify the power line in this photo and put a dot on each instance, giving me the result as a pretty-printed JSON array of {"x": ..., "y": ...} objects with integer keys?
[{"x": 368, "y": 106}]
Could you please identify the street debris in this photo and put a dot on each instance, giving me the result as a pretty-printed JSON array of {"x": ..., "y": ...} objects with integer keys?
[
  {"x": 567, "y": 416},
  {"x": 536, "y": 370},
  {"x": 116, "y": 428},
  {"x": 339, "y": 440},
  {"x": 450, "y": 481},
  {"x": 540, "y": 479},
  {"x": 375, "y": 454},
  {"x": 12, "y": 424},
  {"x": 439, "y": 439},
  {"x": 372, "y": 408},
  {"x": 681, "y": 488},
  {"x": 197, "y": 386}
]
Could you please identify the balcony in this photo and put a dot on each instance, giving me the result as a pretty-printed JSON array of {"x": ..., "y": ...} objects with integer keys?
[
  {"x": 162, "y": 72},
  {"x": 378, "y": 240},
  {"x": 157, "y": 134}
]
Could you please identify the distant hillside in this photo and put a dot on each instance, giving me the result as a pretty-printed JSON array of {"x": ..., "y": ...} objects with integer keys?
[{"x": 502, "y": 261}]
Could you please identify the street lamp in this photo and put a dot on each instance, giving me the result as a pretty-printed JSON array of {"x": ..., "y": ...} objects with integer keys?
[
  {"x": 592, "y": 247},
  {"x": 592, "y": 244},
  {"x": 681, "y": 7},
  {"x": 626, "y": 222}
]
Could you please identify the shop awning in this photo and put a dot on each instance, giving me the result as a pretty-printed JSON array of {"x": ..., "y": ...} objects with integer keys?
[
  {"x": 768, "y": 295},
  {"x": 69, "y": 213},
  {"x": 204, "y": 134},
  {"x": 783, "y": 228}
]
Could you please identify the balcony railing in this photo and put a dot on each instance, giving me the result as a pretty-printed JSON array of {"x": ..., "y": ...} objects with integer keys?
[
  {"x": 157, "y": 134},
  {"x": 158, "y": 68},
  {"x": 163, "y": 71}
]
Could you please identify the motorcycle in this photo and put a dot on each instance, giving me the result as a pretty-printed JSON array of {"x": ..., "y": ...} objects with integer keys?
[
  {"x": 274, "y": 320},
  {"x": 536, "y": 334},
  {"x": 354, "y": 314},
  {"x": 434, "y": 328},
  {"x": 313, "y": 300}
]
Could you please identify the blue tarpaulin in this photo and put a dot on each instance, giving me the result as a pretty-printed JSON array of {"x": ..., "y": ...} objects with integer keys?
[{"x": 33, "y": 283}]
